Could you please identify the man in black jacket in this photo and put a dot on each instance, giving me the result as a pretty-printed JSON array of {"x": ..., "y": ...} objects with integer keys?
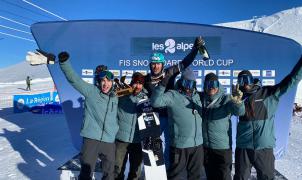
[
  {"x": 255, "y": 130},
  {"x": 158, "y": 73}
]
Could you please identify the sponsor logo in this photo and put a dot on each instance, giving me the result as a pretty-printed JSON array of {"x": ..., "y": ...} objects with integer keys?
[
  {"x": 224, "y": 73},
  {"x": 127, "y": 73},
  {"x": 268, "y": 82},
  {"x": 225, "y": 81},
  {"x": 116, "y": 73},
  {"x": 20, "y": 103},
  {"x": 143, "y": 72},
  {"x": 88, "y": 80},
  {"x": 234, "y": 81},
  {"x": 198, "y": 81},
  {"x": 255, "y": 73},
  {"x": 127, "y": 80},
  {"x": 227, "y": 90},
  {"x": 268, "y": 73},
  {"x": 57, "y": 99},
  {"x": 198, "y": 73},
  {"x": 236, "y": 72},
  {"x": 170, "y": 46},
  {"x": 209, "y": 71},
  {"x": 87, "y": 72}
]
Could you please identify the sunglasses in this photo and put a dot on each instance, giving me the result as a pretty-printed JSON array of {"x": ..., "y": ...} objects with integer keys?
[
  {"x": 245, "y": 79},
  {"x": 188, "y": 84},
  {"x": 105, "y": 74},
  {"x": 211, "y": 84}
]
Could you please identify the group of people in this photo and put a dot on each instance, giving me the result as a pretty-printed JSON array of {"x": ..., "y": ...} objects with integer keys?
[{"x": 196, "y": 125}]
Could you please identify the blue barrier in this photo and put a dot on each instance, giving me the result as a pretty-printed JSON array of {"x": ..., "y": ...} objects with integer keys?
[{"x": 45, "y": 103}]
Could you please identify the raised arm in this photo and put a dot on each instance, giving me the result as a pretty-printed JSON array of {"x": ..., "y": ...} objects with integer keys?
[
  {"x": 191, "y": 56},
  {"x": 176, "y": 69},
  {"x": 160, "y": 98},
  {"x": 72, "y": 77},
  {"x": 292, "y": 79},
  {"x": 236, "y": 105}
]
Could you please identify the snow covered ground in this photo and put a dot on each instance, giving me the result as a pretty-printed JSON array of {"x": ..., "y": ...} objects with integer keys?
[
  {"x": 33, "y": 146},
  {"x": 291, "y": 164}
]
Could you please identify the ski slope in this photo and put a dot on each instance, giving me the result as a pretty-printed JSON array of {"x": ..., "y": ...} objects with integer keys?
[{"x": 286, "y": 23}]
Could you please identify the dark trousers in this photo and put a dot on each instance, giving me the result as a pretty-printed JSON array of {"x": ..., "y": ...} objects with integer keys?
[
  {"x": 188, "y": 160},
  {"x": 263, "y": 160},
  {"x": 218, "y": 163},
  {"x": 134, "y": 150},
  {"x": 28, "y": 87},
  {"x": 91, "y": 151},
  {"x": 164, "y": 127}
]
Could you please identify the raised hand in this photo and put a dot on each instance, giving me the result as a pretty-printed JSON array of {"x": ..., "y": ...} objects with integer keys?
[
  {"x": 236, "y": 96},
  {"x": 40, "y": 57}
]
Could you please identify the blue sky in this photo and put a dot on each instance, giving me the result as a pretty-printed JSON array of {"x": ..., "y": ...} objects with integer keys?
[{"x": 13, "y": 50}]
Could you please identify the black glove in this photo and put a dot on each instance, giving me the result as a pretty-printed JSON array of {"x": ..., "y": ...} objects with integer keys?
[
  {"x": 63, "y": 56},
  {"x": 199, "y": 42},
  {"x": 50, "y": 56}
]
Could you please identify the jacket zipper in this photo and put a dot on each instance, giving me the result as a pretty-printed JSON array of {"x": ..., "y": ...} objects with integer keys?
[
  {"x": 105, "y": 118},
  {"x": 131, "y": 127},
  {"x": 253, "y": 135}
]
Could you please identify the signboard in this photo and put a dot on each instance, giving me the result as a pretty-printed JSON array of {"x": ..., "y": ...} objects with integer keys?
[
  {"x": 25, "y": 102},
  {"x": 124, "y": 46}
]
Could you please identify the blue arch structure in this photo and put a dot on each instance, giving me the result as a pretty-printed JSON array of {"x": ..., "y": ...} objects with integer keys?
[{"x": 125, "y": 45}]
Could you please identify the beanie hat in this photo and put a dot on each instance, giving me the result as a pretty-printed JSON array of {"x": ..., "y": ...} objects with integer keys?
[
  {"x": 245, "y": 72},
  {"x": 211, "y": 77},
  {"x": 137, "y": 77}
]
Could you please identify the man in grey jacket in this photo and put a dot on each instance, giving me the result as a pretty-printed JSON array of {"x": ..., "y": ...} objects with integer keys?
[
  {"x": 100, "y": 124},
  {"x": 218, "y": 108},
  {"x": 128, "y": 142},
  {"x": 158, "y": 73},
  {"x": 185, "y": 125}
]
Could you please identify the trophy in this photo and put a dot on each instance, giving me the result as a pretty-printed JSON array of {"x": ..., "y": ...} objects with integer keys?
[
  {"x": 121, "y": 87},
  {"x": 203, "y": 50}
]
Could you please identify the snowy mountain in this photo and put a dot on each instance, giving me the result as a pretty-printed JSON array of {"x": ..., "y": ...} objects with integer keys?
[
  {"x": 286, "y": 23},
  {"x": 18, "y": 72}
]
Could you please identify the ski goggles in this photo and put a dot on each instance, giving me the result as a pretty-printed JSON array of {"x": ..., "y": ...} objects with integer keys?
[
  {"x": 105, "y": 74},
  {"x": 188, "y": 84},
  {"x": 211, "y": 84},
  {"x": 245, "y": 79}
]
